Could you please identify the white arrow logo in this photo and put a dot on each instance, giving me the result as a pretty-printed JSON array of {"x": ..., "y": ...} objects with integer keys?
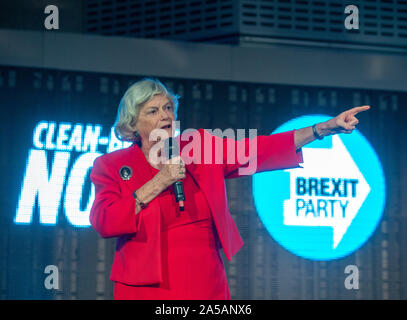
[{"x": 327, "y": 192}]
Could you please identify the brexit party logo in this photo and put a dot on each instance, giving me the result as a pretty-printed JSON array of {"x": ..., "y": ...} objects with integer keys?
[
  {"x": 57, "y": 170},
  {"x": 330, "y": 207}
]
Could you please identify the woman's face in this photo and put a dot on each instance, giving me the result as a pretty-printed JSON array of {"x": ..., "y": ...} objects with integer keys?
[{"x": 157, "y": 113}]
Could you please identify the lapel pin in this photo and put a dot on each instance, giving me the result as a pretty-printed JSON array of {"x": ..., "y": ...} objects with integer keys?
[{"x": 125, "y": 173}]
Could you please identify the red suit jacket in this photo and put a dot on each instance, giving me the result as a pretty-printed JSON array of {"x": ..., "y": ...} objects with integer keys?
[{"x": 137, "y": 259}]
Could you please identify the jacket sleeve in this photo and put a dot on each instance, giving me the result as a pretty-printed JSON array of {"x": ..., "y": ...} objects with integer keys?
[
  {"x": 262, "y": 153},
  {"x": 112, "y": 213}
]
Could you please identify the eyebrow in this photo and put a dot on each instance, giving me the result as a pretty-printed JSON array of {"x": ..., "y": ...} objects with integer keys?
[{"x": 168, "y": 103}]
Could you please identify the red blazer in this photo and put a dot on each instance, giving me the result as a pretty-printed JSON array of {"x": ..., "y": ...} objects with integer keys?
[{"x": 137, "y": 259}]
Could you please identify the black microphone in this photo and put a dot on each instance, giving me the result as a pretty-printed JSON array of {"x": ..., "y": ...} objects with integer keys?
[{"x": 172, "y": 150}]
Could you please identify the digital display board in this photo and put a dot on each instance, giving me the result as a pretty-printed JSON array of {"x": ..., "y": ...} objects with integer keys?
[
  {"x": 55, "y": 122},
  {"x": 55, "y": 145}
]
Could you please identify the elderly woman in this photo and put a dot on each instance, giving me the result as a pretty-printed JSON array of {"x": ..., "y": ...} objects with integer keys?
[{"x": 161, "y": 252}]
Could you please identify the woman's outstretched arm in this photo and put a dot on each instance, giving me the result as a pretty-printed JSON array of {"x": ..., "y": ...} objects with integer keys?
[{"x": 342, "y": 123}]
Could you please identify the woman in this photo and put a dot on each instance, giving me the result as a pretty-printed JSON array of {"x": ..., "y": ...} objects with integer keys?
[{"x": 161, "y": 252}]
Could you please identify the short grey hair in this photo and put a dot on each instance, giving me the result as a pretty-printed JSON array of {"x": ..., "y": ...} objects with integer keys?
[{"x": 132, "y": 101}]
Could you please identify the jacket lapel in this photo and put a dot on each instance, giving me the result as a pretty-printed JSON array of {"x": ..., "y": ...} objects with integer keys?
[
  {"x": 142, "y": 173},
  {"x": 136, "y": 160}
]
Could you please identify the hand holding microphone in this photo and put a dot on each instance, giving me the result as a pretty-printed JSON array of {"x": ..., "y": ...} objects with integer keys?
[
  {"x": 174, "y": 170},
  {"x": 178, "y": 186}
]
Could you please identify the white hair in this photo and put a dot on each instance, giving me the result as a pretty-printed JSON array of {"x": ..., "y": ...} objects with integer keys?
[{"x": 133, "y": 99}]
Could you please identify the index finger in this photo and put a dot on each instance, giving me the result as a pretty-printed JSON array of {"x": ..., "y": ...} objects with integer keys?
[{"x": 356, "y": 110}]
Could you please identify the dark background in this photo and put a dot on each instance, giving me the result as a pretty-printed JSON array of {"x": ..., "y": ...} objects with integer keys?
[{"x": 236, "y": 64}]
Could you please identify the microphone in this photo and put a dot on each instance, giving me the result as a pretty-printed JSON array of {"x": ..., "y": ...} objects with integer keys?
[{"x": 171, "y": 152}]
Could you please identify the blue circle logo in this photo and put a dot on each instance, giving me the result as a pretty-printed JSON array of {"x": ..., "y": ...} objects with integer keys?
[{"x": 330, "y": 207}]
